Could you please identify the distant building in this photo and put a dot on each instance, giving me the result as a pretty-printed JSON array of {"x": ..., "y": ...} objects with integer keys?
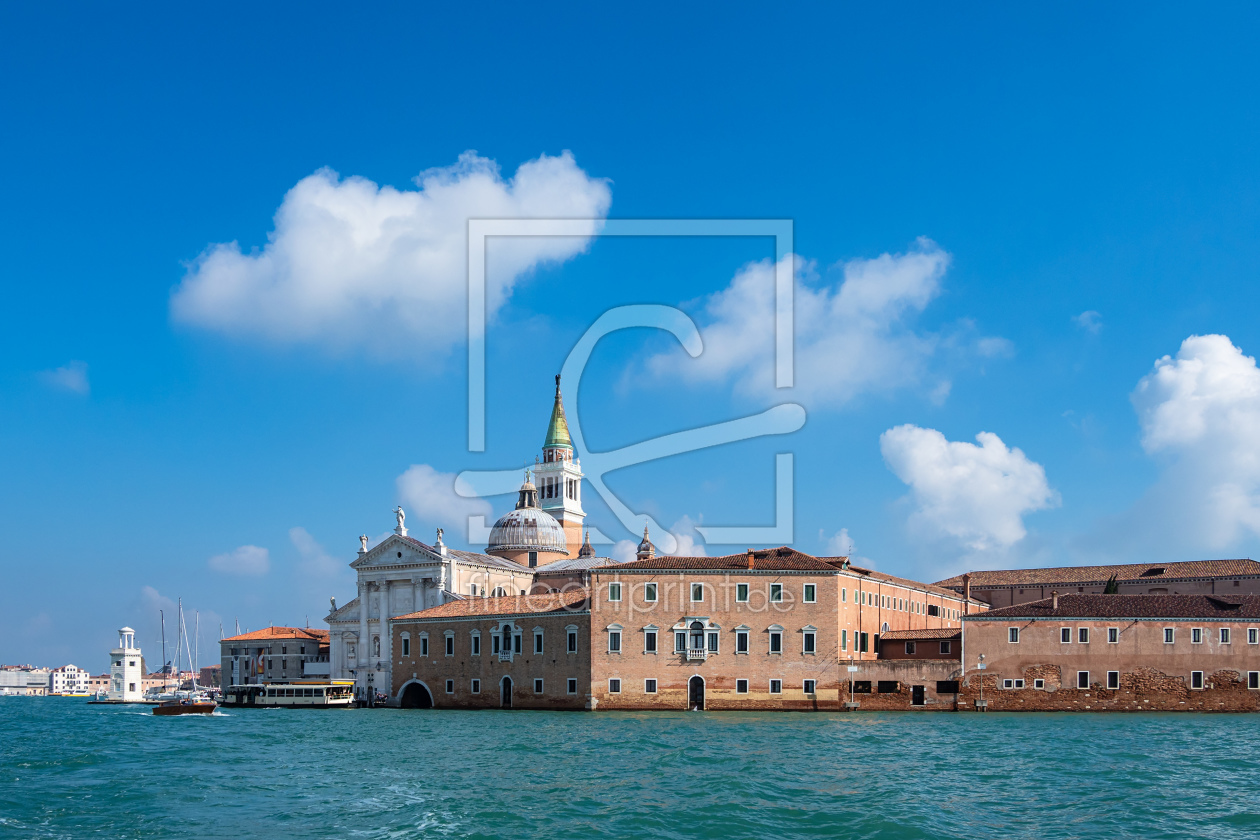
[
  {"x": 273, "y": 654},
  {"x": 68, "y": 679},
  {"x": 210, "y": 676},
  {"x": 24, "y": 680},
  {"x": 1123, "y": 652},
  {"x": 126, "y": 669},
  {"x": 1194, "y": 577}
]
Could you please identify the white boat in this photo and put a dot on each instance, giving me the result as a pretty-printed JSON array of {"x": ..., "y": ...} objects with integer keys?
[{"x": 336, "y": 694}]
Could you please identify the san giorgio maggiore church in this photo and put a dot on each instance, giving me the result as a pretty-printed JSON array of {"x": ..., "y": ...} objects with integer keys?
[{"x": 531, "y": 549}]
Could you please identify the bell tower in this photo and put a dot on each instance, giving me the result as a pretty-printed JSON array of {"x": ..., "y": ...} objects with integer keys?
[{"x": 559, "y": 477}]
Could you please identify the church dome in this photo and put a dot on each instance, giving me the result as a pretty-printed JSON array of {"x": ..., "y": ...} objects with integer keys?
[{"x": 527, "y": 529}]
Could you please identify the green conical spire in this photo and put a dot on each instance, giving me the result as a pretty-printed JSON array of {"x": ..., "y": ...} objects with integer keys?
[{"x": 558, "y": 428}]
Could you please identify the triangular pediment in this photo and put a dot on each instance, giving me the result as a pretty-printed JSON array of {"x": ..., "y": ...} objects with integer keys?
[{"x": 398, "y": 551}]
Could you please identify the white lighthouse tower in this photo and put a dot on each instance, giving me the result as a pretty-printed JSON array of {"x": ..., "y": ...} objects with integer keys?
[{"x": 126, "y": 672}]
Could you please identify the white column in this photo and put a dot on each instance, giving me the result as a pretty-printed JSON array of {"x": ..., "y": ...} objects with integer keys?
[
  {"x": 388, "y": 687},
  {"x": 361, "y": 651}
]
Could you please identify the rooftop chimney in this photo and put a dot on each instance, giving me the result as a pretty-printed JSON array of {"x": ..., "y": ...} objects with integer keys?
[
  {"x": 967, "y": 586},
  {"x": 750, "y": 558},
  {"x": 1054, "y": 599}
]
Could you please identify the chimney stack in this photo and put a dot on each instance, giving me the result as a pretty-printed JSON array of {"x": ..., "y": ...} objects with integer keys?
[
  {"x": 750, "y": 558},
  {"x": 967, "y": 586},
  {"x": 1054, "y": 599}
]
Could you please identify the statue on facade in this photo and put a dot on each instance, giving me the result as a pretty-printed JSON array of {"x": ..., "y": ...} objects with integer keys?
[
  {"x": 363, "y": 543},
  {"x": 401, "y": 515}
]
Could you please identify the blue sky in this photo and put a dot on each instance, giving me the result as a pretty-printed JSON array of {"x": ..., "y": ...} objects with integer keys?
[{"x": 977, "y": 180}]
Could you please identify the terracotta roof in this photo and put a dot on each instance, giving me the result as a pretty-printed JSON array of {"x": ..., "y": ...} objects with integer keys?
[
  {"x": 1080, "y": 575},
  {"x": 893, "y": 580},
  {"x": 1132, "y": 606},
  {"x": 574, "y": 600},
  {"x": 311, "y": 633},
  {"x": 765, "y": 560},
  {"x": 926, "y": 633}
]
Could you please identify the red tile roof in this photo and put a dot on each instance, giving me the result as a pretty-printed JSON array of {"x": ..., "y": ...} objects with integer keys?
[
  {"x": 765, "y": 560},
  {"x": 574, "y": 600},
  {"x": 1085, "y": 575},
  {"x": 916, "y": 635},
  {"x": 1244, "y": 607},
  {"x": 309, "y": 633}
]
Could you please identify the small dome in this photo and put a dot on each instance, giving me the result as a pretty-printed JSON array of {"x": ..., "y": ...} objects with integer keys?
[
  {"x": 527, "y": 529},
  {"x": 586, "y": 550}
]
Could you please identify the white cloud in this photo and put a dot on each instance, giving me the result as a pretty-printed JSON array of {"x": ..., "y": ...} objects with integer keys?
[
  {"x": 1089, "y": 320},
  {"x": 1201, "y": 412},
  {"x": 851, "y": 337},
  {"x": 977, "y": 495},
  {"x": 249, "y": 560},
  {"x": 315, "y": 561},
  {"x": 73, "y": 377},
  {"x": 429, "y": 496},
  {"x": 840, "y": 544},
  {"x": 352, "y": 264}
]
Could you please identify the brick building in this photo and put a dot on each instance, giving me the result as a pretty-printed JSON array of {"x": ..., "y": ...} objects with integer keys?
[
  {"x": 273, "y": 654},
  {"x": 1194, "y": 577},
  {"x": 1117, "y": 652}
]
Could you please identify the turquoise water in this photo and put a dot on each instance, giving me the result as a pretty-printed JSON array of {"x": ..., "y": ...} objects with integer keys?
[{"x": 72, "y": 770}]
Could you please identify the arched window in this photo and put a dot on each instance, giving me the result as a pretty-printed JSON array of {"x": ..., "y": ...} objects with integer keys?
[
  {"x": 499, "y": 591},
  {"x": 697, "y": 635}
]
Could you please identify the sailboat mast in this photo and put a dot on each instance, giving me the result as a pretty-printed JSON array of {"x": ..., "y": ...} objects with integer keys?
[
  {"x": 187, "y": 648},
  {"x": 164, "y": 669},
  {"x": 179, "y": 637},
  {"x": 197, "y": 643}
]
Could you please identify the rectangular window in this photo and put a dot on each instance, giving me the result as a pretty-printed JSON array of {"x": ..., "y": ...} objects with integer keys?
[
  {"x": 476, "y": 645},
  {"x": 741, "y": 686},
  {"x": 680, "y": 642},
  {"x": 450, "y": 645},
  {"x": 863, "y": 639},
  {"x": 1065, "y": 635},
  {"x": 861, "y": 686},
  {"x": 1082, "y": 679},
  {"x": 844, "y": 596},
  {"x": 1253, "y": 635},
  {"x": 1113, "y": 680},
  {"x": 887, "y": 686},
  {"x": 649, "y": 592},
  {"x": 809, "y": 642},
  {"x": 1196, "y": 679},
  {"x": 776, "y": 642},
  {"x": 844, "y": 640},
  {"x": 424, "y": 645},
  {"x": 649, "y": 641},
  {"x": 776, "y": 593},
  {"x": 1196, "y": 636},
  {"x": 1082, "y": 635},
  {"x": 947, "y": 686},
  {"x": 811, "y": 591},
  {"x": 1224, "y": 635},
  {"x": 614, "y": 592},
  {"x": 1012, "y": 635},
  {"x": 776, "y": 686},
  {"x": 1040, "y": 684},
  {"x": 614, "y": 641},
  {"x": 713, "y": 641},
  {"x": 933, "y": 609},
  {"x": 945, "y": 648},
  {"x": 910, "y": 648},
  {"x": 1113, "y": 635},
  {"x": 1253, "y": 679},
  {"x": 697, "y": 593},
  {"x": 649, "y": 686},
  {"x": 808, "y": 686},
  {"x": 476, "y": 686},
  {"x": 538, "y": 685},
  {"x": 572, "y": 641},
  {"x": 1168, "y": 635},
  {"x": 538, "y": 643},
  {"x": 571, "y": 686},
  {"x": 741, "y": 592},
  {"x": 1012, "y": 683},
  {"x": 741, "y": 641},
  {"x": 406, "y": 646},
  {"x": 450, "y": 686},
  {"x": 516, "y": 643},
  {"x": 614, "y": 686}
]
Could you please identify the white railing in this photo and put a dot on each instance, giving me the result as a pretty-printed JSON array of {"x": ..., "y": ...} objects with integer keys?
[
  {"x": 695, "y": 653},
  {"x": 505, "y": 656}
]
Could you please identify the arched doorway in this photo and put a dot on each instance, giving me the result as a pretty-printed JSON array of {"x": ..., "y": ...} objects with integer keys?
[
  {"x": 506, "y": 696},
  {"x": 695, "y": 693},
  {"x": 416, "y": 696}
]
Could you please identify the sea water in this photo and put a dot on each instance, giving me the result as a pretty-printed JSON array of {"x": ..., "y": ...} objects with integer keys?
[{"x": 72, "y": 770}]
